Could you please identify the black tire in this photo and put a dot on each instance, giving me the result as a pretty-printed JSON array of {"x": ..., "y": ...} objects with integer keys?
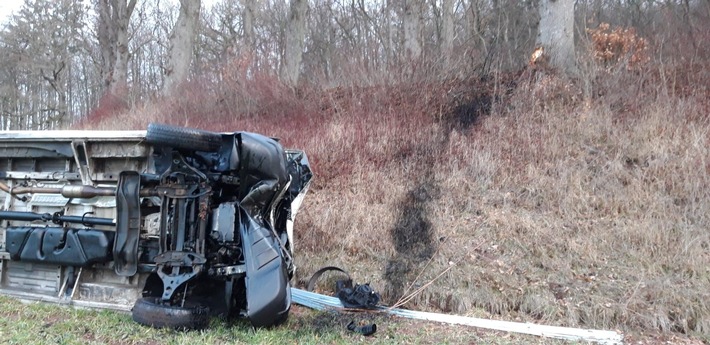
[
  {"x": 148, "y": 312},
  {"x": 183, "y": 138}
]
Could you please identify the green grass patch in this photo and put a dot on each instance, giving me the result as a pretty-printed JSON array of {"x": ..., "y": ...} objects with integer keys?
[{"x": 42, "y": 323}]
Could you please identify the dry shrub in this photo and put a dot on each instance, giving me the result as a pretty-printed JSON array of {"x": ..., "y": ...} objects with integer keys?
[
  {"x": 612, "y": 47},
  {"x": 539, "y": 89},
  {"x": 110, "y": 105},
  {"x": 231, "y": 98}
]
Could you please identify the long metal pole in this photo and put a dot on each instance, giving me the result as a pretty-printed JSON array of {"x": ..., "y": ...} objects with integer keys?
[{"x": 322, "y": 302}]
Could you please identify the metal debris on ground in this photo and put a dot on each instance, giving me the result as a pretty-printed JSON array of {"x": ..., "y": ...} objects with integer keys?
[{"x": 322, "y": 302}]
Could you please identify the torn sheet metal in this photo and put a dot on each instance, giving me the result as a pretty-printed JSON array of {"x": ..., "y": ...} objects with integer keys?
[{"x": 322, "y": 302}]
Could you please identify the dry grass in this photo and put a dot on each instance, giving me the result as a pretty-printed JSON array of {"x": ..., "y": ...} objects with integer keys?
[
  {"x": 581, "y": 215},
  {"x": 577, "y": 203}
]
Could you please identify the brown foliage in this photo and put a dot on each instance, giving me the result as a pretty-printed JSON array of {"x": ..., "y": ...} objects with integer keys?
[{"x": 612, "y": 47}]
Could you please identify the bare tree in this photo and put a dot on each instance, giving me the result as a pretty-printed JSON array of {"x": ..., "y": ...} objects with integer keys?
[
  {"x": 556, "y": 33},
  {"x": 295, "y": 36},
  {"x": 447, "y": 29},
  {"x": 114, "y": 17},
  {"x": 149, "y": 31},
  {"x": 248, "y": 24},
  {"x": 411, "y": 23},
  {"x": 221, "y": 29},
  {"x": 38, "y": 53},
  {"x": 181, "y": 42}
]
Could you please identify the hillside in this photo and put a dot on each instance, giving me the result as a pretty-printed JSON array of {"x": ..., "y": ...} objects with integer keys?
[{"x": 581, "y": 202}]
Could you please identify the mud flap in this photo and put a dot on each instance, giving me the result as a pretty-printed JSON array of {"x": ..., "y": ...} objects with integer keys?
[
  {"x": 267, "y": 283},
  {"x": 128, "y": 216}
]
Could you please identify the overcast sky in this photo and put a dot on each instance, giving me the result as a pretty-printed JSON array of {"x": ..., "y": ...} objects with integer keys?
[{"x": 7, "y": 7}]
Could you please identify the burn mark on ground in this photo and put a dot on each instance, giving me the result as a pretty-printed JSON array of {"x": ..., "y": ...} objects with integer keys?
[{"x": 413, "y": 237}]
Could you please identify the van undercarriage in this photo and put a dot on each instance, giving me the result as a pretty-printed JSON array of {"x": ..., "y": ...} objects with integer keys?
[{"x": 175, "y": 224}]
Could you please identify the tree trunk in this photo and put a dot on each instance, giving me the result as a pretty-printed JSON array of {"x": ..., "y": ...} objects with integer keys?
[
  {"x": 121, "y": 17},
  {"x": 556, "y": 33},
  {"x": 181, "y": 43},
  {"x": 106, "y": 35},
  {"x": 447, "y": 29},
  {"x": 295, "y": 36},
  {"x": 248, "y": 18},
  {"x": 112, "y": 32},
  {"x": 412, "y": 26}
]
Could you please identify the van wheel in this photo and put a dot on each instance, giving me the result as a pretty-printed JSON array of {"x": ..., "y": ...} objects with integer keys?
[
  {"x": 149, "y": 312},
  {"x": 183, "y": 138}
]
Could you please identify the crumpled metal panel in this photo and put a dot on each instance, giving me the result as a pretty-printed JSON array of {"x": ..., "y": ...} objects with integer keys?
[{"x": 262, "y": 173}]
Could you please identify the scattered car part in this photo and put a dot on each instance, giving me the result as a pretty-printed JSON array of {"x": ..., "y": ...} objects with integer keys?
[
  {"x": 358, "y": 296},
  {"x": 366, "y": 330},
  {"x": 317, "y": 274}
]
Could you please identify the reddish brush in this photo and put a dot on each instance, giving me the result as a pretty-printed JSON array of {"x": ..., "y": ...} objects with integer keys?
[{"x": 110, "y": 106}]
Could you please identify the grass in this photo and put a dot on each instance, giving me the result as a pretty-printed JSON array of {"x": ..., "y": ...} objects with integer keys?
[{"x": 38, "y": 323}]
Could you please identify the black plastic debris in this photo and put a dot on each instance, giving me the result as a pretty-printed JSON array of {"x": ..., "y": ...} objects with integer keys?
[
  {"x": 358, "y": 296},
  {"x": 366, "y": 330},
  {"x": 361, "y": 296}
]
